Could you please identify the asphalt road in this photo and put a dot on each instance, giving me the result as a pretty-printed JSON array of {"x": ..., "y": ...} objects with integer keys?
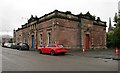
[{"x": 15, "y": 60}]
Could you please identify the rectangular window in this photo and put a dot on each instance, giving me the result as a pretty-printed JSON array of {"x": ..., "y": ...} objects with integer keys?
[
  {"x": 101, "y": 40},
  {"x": 41, "y": 40},
  {"x": 92, "y": 42},
  {"x": 49, "y": 37}
]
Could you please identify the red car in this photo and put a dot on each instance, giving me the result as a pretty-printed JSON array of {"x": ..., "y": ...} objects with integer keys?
[{"x": 53, "y": 49}]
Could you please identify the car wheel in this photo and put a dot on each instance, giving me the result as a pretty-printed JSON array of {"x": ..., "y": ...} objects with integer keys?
[
  {"x": 20, "y": 48},
  {"x": 63, "y": 53},
  {"x": 40, "y": 51},
  {"x": 52, "y": 52}
]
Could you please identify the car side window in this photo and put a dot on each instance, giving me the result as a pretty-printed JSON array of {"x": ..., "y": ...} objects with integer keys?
[
  {"x": 20, "y": 43},
  {"x": 48, "y": 45},
  {"x": 24, "y": 44},
  {"x": 51, "y": 45}
]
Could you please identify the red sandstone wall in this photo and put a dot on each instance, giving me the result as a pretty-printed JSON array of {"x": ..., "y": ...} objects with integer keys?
[
  {"x": 97, "y": 34},
  {"x": 69, "y": 37}
]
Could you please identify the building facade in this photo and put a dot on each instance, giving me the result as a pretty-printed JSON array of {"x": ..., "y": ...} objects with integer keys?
[{"x": 73, "y": 31}]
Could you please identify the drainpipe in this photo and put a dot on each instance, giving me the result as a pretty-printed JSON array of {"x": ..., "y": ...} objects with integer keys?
[
  {"x": 54, "y": 34},
  {"x": 36, "y": 38},
  {"x": 80, "y": 34}
]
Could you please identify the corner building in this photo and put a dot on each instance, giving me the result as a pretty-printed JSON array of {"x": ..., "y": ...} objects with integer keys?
[{"x": 73, "y": 31}]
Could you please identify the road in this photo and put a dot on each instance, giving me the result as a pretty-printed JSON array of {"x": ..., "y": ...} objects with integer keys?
[{"x": 15, "y": 60}]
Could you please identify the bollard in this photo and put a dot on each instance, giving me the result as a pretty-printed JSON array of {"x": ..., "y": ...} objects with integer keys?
[
  {"x": 83, "y": 50},
  {"x": 116, "y": 51}
]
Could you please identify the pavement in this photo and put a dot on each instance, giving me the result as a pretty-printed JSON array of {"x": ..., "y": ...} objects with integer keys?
[
  {"x": 108, "y": 54},
  {"x": 103, "y": 53}
]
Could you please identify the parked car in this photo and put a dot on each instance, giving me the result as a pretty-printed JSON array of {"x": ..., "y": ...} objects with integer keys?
[
  {"x": 8, "y": 45},
  {"x": 53, "y": 49},
  {"x": 15, "y": 45},
  {"x": 3, "y": 44},
  {"x": 22, "y": 46}
]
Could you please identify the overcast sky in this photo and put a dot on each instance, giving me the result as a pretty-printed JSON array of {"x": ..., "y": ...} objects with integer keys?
[{"x": 14, "y": 13}]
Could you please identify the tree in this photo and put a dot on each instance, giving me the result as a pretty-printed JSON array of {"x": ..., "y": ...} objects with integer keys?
[
  {"x": 115, "y": 18},
  {"x": 109, "y": 39},
  {"x": 10, "y": 40},
  {"x": 113, "y": 38},
  {"x": 116, "y": 33}
]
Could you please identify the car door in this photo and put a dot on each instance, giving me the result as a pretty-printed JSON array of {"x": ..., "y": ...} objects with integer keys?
[
  {"x": 51, "y": 47},
  {"x": 43, "y": 49},
  {"x": 48, "y": 48}
]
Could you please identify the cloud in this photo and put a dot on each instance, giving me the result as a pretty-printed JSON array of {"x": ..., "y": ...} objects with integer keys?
[{"x": 12, "y": 12}]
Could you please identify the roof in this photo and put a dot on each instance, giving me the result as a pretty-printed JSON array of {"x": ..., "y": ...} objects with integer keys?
[{"x": 64, "y": 15}]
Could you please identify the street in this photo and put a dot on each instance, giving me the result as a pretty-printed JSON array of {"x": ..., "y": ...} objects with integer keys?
[{"x": 15, "y": 60}]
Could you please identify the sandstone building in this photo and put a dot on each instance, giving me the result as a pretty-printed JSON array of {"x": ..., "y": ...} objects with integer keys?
[{"x": 73, "y": 31}]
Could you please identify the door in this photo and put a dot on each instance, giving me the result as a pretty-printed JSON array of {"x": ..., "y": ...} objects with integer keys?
[
  {"x": 47, "y": 49},
  {"x": 32, "y": 41},
  {"x": 87, "y": 41}
]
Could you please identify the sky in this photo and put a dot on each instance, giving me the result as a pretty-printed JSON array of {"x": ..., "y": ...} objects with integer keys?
[{"x": 14, "y": 13}]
